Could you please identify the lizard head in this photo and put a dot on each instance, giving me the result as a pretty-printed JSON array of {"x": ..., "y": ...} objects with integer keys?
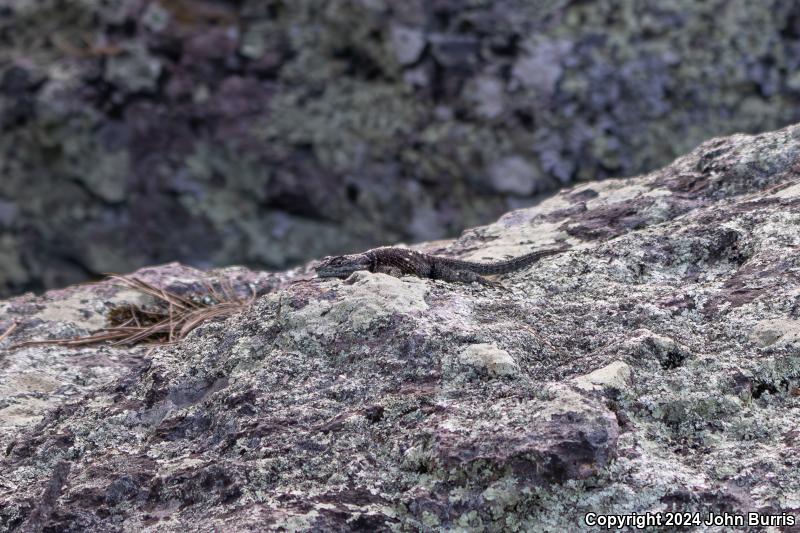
[{"x": 342, "y": 266}]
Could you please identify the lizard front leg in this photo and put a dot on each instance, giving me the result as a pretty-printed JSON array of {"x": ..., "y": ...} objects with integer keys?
[{"x": 391, "y": 270}]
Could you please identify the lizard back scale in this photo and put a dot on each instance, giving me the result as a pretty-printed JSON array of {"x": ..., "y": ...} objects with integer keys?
[{"x": 400, "y": 261}]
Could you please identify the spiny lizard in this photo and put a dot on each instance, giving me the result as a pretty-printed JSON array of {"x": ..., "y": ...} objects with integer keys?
[{"x": 400, "y": 261}]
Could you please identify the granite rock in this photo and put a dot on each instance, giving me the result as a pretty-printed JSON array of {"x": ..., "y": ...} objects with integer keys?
[{"x": 392, "y": 404}]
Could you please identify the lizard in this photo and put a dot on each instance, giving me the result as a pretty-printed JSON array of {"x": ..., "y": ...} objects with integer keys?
[{"x": 402, "y": 261}]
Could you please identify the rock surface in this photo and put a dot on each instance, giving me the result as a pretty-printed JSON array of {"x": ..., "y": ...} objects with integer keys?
[
  {"x": 269, "y": 132},
  {"x": 654, "y": 366}
]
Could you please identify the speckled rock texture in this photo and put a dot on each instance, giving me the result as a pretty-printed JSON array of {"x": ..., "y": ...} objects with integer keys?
[
  {"x": 654, "y": 366},
  {"x": 267, "y": 133}
]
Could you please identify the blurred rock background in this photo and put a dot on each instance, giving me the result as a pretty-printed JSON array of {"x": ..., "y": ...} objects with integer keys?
[{"x": 265, "y": 133}]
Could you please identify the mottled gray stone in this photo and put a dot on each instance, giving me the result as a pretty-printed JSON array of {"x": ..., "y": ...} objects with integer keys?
[
  {"x": 487, "y": 93},
  {"x": 617, "y": 376},
  {"x": 134, "y": 70},
  {"x": 8, "y": 212},
  {"x": 487, "y": 359},
  {"x": 542, "y": 65},
  {"x": 180, "y": 130},
  {"x": 513, "y": 175},
  {"x": 408, "y": 43},
  {"x": 653, "y": 365}
]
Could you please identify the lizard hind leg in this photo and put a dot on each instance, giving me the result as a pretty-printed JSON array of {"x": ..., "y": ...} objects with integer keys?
[
  {"x": 466, "y": 276},
  {"x": 488, "y": 282}
]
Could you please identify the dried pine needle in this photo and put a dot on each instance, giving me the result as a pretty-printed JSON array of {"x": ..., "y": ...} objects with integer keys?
[
  {"x": 170, "y": 320},
  {"x": 8, "y": 331}
]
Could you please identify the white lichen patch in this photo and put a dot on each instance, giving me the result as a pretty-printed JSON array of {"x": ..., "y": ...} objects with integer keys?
[
  {"x": 617, "y": 376},
  {"x": 513, "y": 238},
  {"x": 617, "y": 191},
  {"x": 362, "y": 302},
  {"x": 768, "y": 332},
  {"x": 22, "y": 414},
  {"x": 483, "y": 359},
  {"x": 79, "y": 309},
  {"x": 793, "y": 191}
]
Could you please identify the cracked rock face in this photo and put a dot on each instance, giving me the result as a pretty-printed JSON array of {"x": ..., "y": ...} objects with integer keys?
[{"x": 653, "y": 366}]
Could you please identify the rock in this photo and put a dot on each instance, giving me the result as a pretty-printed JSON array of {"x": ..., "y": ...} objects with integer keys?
[
  {"x": 487, "y": 359},
  {"x": 513, "y": 175},
  {"x": 270, "y": 133},
  {"x": 646, "y": 347},
  {"x": 134, "y": 70},
  {"x": 488, "y": 94},
  {"x": 768, "y": 332},
  {"x": 408, "y": 44},
  {"x": 537, "y": 443},
  {"x": 617, "y": 376},
  {"x": 454, "y": 51},
  {"x": 542, "y": 66},
  {"x": 8, "y": 213},
  {"x": 155, "y": 18},
  {"x": 652, "y": 366}
]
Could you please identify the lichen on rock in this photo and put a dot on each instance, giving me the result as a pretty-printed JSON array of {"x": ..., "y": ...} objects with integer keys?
[
  {"x": 271, "y": 132},
  {"x": 653, "y": 366}
]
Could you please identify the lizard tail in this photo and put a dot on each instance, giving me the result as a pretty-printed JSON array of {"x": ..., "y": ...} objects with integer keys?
[
  {"x": 501, "y": 267},
  {"x": 518, "y": 263}
]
